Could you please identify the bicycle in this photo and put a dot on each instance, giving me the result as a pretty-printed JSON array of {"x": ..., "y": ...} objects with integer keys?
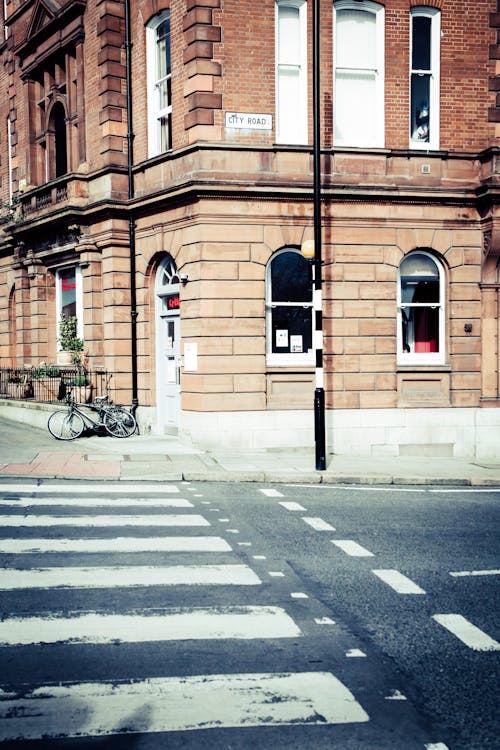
[{"x": 70, "y": 423}]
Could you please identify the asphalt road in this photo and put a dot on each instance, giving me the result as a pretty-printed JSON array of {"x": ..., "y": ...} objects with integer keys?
[{"x": 245, "y": 616}]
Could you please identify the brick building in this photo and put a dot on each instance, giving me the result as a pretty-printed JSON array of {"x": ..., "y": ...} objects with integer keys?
[{"x": 156, "y": 172}]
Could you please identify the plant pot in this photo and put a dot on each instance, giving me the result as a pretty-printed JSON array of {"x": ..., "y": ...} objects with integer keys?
[
  {"x": 18, "y": 390},
  {"x": 65, "y": 357}
]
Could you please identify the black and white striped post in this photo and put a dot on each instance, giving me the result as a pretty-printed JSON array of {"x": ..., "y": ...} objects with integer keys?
[{"x": 315, "y": 254}]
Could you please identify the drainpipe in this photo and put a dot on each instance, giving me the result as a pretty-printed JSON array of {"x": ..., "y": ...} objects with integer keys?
[{"x": 131, "y": 223}]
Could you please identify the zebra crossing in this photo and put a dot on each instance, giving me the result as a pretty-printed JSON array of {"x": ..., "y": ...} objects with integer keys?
[{"x": 40, "y": 523}]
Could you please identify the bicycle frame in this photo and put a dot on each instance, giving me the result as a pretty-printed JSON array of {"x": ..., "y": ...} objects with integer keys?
[{"x": 87, "y": 418}]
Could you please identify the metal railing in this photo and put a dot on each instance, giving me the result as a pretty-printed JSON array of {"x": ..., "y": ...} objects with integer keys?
[{"x": 50, "y": 383}]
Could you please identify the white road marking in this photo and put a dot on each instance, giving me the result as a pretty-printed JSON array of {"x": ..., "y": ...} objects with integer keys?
[
  {"x": 464, "y": 573},
  {"x": 118, "y": 544},
  {"x": 352, "y": 548},
  {"x": 397, "y": 581},
  {"x": 357, "y": 488},
  {"x": 324, "y": 621},
  {"x": 292, "y": 506},
  {"x": 299, "y": 595},
  {"x": 396, "y": 695},
  {"x": 191, "y": 624},
  {"x": 172, "y": 704},
  {"x": 468, "y": 633},
  {"x": 276, "y": 574},
  {"x": 318, "y": 524},
  {"x": 87, "y": 502},
  {"x": 436, "y": 746},
  {"x": 152, "y": 489},
  {"x": 271, "y": 493},
  {"x": 136, "y": 575},
  {"x": 148, "y": 519},
  {"x": 355, "y": 653}
]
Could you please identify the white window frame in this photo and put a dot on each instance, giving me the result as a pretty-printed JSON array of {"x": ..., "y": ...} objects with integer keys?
[
  {"x": 377, "y": 117},
  {"x": 78, "y": 296},
  {"x": 155, "y": 112},
  {"x": 288, "y": 359},
  {"x": 434, "y": 75},
  {"x": 422, "y": 358},
  {"x": 300, "y": 103}
]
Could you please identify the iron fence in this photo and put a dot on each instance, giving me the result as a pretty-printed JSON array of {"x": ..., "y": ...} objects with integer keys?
[{"x": 51, "y": 383}]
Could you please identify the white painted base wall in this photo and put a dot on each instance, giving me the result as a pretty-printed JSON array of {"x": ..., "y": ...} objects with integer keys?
[
  {"x": 467, "y": 433},
  {"x": 462, "y": 433}
]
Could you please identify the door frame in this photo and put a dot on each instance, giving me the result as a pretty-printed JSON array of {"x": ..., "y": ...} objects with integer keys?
[{"x": 167, "y": 308}]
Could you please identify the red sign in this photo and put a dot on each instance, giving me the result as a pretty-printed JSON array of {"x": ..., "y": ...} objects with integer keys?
[{"x": 173, "y": 301}]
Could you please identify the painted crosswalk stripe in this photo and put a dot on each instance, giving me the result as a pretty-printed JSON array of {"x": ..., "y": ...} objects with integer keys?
[
  {"x": 101, "y": 520},
  {"x": 318, "y": 524},
  {"x": 91, "y": 502},
  {"x": 351, "y": 548},
  {"x": 178, "y": 704},
  {"x": 135, "y": 575},
  {"x": 468, "y": 633},
  {"x": 398, "y": 582},
  {"x": 292, "y": 506},
  {"x": 115, "y": 489},
  {"x": 117, "y": 544},
  {"x": 190, "y": 624},
  {"x": 271, "y": 493},
  {"x": 466, "y": 573}
]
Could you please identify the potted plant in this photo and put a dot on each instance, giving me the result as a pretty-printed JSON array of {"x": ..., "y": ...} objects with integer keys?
[{"x": 69, "y": 341}]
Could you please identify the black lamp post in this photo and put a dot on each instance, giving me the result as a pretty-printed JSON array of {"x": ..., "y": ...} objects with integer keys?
[{"x": 314, "y": 253}]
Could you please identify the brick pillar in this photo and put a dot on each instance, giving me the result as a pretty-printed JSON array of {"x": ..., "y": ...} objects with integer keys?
[
  {"x": 112, "y": 74},
  {"x": 35, "y": 272},
  {"x": 202, "y": 70}
]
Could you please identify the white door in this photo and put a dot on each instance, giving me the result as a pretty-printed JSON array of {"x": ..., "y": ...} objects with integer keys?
[
  {"x": 168, "y": 348},
  {"x": 170, "y": 367}
]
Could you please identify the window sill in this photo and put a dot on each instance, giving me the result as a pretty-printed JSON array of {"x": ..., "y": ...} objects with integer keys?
[{"x": 423, "y": 368}]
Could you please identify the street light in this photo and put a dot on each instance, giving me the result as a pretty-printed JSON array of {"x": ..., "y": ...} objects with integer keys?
[{"x": 312, "y": 249}]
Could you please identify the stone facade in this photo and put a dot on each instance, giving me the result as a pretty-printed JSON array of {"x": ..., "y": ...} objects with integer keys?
[{"x": 220, "y": 202}]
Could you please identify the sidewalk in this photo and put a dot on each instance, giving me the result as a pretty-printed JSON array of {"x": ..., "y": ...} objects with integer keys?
[{"x": 27, "y": 451}]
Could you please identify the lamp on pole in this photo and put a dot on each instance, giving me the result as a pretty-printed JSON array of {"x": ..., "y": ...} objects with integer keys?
[{"x": 312, "y": 249}]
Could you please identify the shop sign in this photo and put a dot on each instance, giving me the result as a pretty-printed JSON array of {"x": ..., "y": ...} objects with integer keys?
[{"x": 173, "y": 301}]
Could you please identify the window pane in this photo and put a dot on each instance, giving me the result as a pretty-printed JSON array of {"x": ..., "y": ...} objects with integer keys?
[
  {"x": 413, "y": 291},
  {"x": 288, "y": 35},
  {"x": 355, "y": 107},
  {"x": 291, "y": 278},
  {"x": 164, "y": 133},
  {"x": 420, "y": 96},
  {"x": 67, "y": 280},
  {"x": 355, "y": 39},
  {"x": 289, "y": 123},
  {"x": 291, "y": 330},
  {"x": 164, "y": 93},
  {"x": 421, "y": 43},
  {"x": 163, "y": 49},
  {"x": 420, "y": 329}
]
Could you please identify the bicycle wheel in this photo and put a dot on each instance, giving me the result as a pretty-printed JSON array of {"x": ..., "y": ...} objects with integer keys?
[
  {"x": 65, "y": 424},
  {"x": 119, "y": 422}
]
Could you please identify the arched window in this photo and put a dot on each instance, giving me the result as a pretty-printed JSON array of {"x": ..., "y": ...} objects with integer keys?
[
  {"x": 289, "y": 309},
  {"x": 420, "y": 310},
  {"x": 58, "y": 132}
]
